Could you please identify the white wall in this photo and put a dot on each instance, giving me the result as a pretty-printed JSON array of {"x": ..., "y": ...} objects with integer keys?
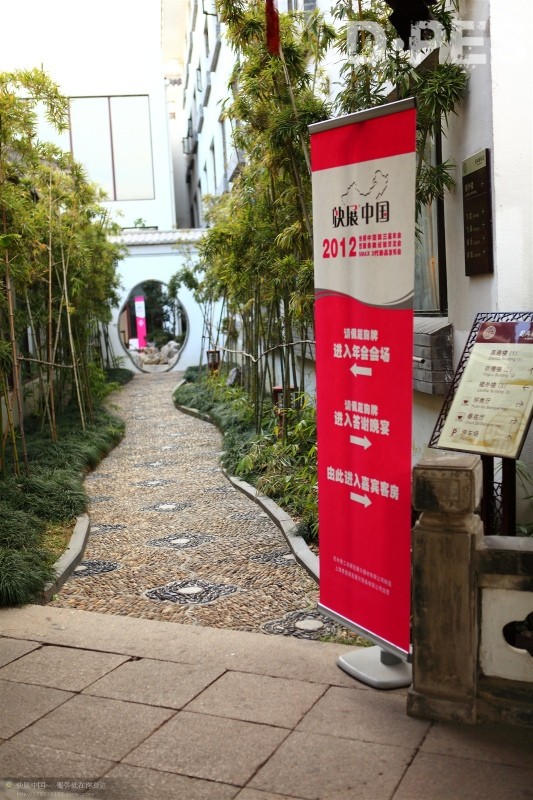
[
  {"x": 159, "y": 263},
  {"x": 512, "y": 91},
  {"x": 496, "y": 114}
]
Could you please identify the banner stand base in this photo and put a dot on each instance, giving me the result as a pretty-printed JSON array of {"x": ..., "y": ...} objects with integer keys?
[{"x": 377, "y": 668}]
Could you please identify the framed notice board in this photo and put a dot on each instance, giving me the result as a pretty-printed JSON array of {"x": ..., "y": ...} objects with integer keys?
[{"x": 490, "y": 402}]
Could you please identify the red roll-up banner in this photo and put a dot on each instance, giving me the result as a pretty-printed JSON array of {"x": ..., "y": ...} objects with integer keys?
[{"x": 363, "y": 172}]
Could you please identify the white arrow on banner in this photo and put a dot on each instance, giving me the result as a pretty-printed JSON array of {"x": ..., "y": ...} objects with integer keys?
[
  {"x": 357, "y": 370},
  {"x": 362, "y": 441},
  {"x": 361, "y": 498}
]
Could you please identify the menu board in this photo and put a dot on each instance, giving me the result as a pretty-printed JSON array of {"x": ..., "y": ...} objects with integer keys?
[{"x": 491, "y": 410}]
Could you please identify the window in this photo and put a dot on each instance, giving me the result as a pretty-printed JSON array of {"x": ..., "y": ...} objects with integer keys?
[{"x": 111, "y": 137}]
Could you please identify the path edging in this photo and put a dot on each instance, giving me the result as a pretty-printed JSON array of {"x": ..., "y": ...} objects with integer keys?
[
  {"x": 69, "y": 559},
  {"x": 299, "y": 548}
]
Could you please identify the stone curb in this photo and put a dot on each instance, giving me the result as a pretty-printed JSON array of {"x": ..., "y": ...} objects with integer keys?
[
  {"x": 299, "y": 548},
  {"x": 69, "y": 560}
]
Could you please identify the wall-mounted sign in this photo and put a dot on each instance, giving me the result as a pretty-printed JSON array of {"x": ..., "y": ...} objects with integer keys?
[
  {"x": 477, "y": 214},
  {"x": 493, "y": 403},
  {"x": 364, "y": 224}
]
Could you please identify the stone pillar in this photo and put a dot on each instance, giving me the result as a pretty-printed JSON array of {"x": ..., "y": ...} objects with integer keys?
[{"x": 445, "y": 626}]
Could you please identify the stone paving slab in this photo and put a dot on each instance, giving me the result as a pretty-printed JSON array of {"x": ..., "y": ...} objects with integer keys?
[
  {"x": 242, "y": 696},
  {"x": 505, "y": 744},
  {"x": 27, "y": 762},
  {"x": 96, "y": 726},
  {"x": 446, "y": 778},
  {"x": 125, "y": 782},
  {"x": 376, "y": 717},
  {"x": 21, "y": 704},
  {"x": 11, "y": 649},
  {"x": 156, "y": 683},
  {"x": 307, "y": 766},
  {"x": 213, "y": 748},
  {"x": 61, "y": 667}
]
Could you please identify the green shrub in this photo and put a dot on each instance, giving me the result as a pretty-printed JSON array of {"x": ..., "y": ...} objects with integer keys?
[
  {"x": 23, "y": 574},
  {"x": 20, "y": 529},
  {"x": 119, "y": 375},
  {"x": 51, "y": 493},
  {"x": 285, "y": 469},
  {"x": 53, "y": 496}
]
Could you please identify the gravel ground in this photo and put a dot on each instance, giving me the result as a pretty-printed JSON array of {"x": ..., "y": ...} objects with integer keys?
[{"x": 172, "y": 540}]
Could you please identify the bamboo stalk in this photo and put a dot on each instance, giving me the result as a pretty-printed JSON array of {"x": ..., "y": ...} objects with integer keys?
[
  {"x": 14, "y": 350},
  {"x": 10, "y": 429},
  {"x": 71, "y": 341},
  {"x": 50, "y": 396},
  {"x": 37, "y": 361}
]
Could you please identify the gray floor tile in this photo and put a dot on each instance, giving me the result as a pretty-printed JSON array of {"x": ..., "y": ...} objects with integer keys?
[
  {"x": 21, "y": 704},
  {"x": 323, "y": 767},
  {"x": 500, "y": 744},
  {"x": 134, "y": 783},
  {"x": 62, "y": 667},
  {"x": 30, "y": 762},
  {"x": 213, "y": 748},
  {"x": 10, "y": 649},
  {"x": 432, "y": 777},
  {"x": 378, "y": 717},
  {"x": 258, "y": 698},
  {"x": 157, "y": 683},
  {"x": 254, "y": 794},
  {"x": 96, "y": 726}
]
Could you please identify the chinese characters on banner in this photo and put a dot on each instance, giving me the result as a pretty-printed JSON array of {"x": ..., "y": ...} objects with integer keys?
[
  {"x": 363, "y": 169},
  {"x": 140, "y": 318},
  {"x": 492, "y": 406}
]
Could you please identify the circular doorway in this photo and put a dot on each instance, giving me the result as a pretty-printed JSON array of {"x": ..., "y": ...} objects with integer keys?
[{"x": 153, "y": 327}]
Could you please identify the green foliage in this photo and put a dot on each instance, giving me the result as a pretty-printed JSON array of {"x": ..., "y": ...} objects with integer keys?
[
  {"x": 524, "y": 478},
  {"x": 51, "y": 492},
  {"x": 50, "y": 496},
  {"x": 21, "y": 530},
  {"x": 118, "y": 375},
  {"x": 285, "y": 468},
  {"x": 58, "y": 276},
  {"x": 23, "y": 574}
]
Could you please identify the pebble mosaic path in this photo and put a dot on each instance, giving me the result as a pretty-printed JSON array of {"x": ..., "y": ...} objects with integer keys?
[{"x": 171, "y": 539}]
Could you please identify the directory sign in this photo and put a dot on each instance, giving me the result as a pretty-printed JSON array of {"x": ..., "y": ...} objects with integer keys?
[
  {"x": 493, "y": 403},
  {"x": 477, "y": 214},
  {"x": 363, "y": 172}
]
